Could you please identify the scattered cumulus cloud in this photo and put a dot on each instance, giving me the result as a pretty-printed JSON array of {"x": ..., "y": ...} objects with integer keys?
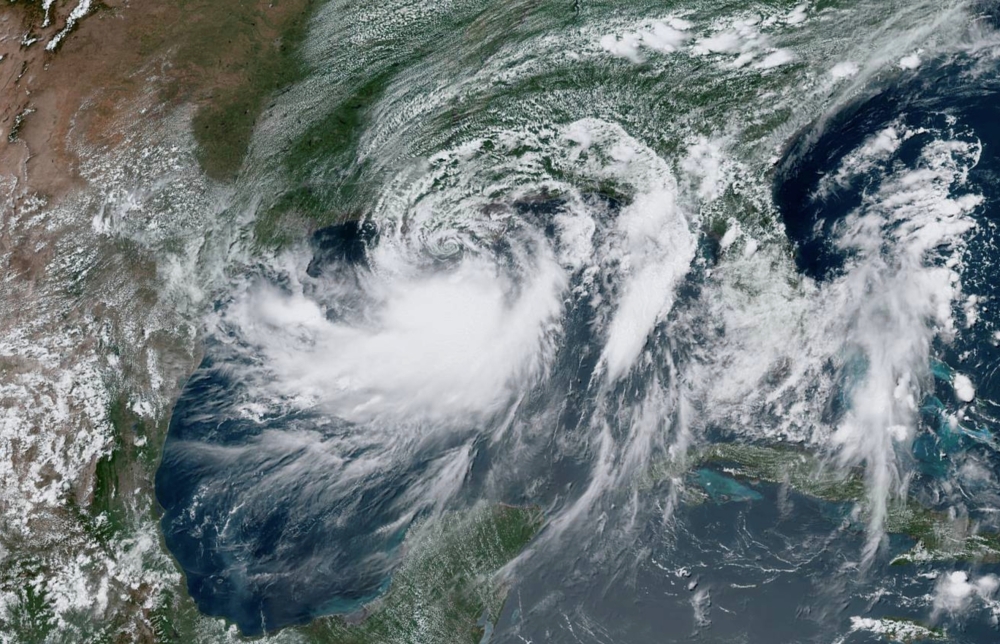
[
  {"x": 663, "y": 37},
  {"x": 910, "y": 62},
  {"x": 846, "y": 69},
  {"x": 742, "y": 38},
  {"x": 720, "y": 43},
  {"x": 956, "y": 592},
  {"x": 704, "y": 165},
  {"x": 626, "y": 46},
  {"x": 797, "y": 15},
  {"x": 775, "y": 59},
  {"x": 964, "y": 389}
]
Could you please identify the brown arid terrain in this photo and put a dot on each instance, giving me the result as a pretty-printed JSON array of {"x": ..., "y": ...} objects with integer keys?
[
  {"x": 124, "y": 61},
  {"x": 105, "y": 106}
]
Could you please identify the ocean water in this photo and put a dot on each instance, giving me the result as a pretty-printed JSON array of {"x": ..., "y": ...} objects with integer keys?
[{"x": 579, "y": 247}]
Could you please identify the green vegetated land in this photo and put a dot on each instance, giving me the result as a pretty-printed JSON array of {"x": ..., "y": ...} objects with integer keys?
[
  {"x": 445, "y": 591},
  {"x": 97, "y": 528},
  {"x": 320, "y": 169},
  {"x": 937, "y": 536},
  {"x": 255, "y": 52}
]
